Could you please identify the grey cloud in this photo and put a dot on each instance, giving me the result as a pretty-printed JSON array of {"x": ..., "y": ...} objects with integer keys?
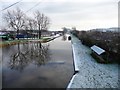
[
  {"x": 80, "y": 10},
  {"x": 67, "y": 7},
  {"x": 75, "y": 12}
]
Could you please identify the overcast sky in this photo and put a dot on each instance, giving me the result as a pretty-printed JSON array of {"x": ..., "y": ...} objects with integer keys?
[{"x": 82, "y": 14}]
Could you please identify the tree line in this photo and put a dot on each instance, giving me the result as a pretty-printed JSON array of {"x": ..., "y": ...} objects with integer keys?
[{"x": 19, "y": 20}]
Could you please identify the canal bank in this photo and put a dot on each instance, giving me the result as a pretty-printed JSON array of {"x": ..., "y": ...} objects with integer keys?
[
  {"x": 21, "y": 41},
  {"x": 91, "y": 74}
]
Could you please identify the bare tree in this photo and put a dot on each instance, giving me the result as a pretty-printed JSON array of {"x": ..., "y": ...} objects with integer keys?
[
  {"x": 42, "y": 22},
  {"x": 45, "y": 23},
  {"x": 15, "y": 19},
  {"x": 31, "y": 25},
  {"x": 34, "y": 26}
]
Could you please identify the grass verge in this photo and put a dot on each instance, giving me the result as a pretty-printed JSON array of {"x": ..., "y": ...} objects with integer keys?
[{"x": 14, "y": 42}]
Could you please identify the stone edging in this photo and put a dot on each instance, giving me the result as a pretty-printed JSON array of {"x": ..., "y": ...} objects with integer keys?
[{"x": 75, "y": 59}]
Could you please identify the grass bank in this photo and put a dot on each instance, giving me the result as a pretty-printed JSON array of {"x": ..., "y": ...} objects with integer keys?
[{"x": 14, "y": 42}]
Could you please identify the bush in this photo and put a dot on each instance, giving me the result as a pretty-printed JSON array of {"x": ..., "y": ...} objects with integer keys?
[{"x": 109, "y": 41}]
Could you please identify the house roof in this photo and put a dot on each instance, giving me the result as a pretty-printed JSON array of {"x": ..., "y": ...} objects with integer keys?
[{"x": 97, "y": 49}]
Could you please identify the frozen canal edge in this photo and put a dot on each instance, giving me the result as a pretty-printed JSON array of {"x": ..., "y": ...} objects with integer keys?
[{"x": 89, "y": 73}]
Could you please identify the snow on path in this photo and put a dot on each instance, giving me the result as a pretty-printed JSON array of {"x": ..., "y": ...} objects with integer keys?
[{"x": 92, "y": 74}]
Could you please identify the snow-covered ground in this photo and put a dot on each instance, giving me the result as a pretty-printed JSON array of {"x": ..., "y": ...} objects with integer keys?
[{"x": 92, "y": 74}]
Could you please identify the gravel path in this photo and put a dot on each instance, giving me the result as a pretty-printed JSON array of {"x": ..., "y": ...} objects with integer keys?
[{"x": 92, "y": 74}]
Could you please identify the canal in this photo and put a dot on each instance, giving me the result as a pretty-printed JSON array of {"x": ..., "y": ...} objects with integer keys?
[{"x": 33, "y": 65}]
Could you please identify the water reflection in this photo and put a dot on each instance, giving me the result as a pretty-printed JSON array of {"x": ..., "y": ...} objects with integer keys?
[
  {"x": 28, "y": 69},
  {"x": 64, "y": 38},
  {"x": 29, "y": 53}
]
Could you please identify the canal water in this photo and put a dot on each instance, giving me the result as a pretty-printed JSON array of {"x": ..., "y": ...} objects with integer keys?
[{"x": 33, "y": 65}]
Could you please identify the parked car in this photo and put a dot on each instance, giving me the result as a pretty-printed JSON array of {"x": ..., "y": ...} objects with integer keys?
[
  {"x": 23, "y": 36},
  {"x": 6, "y": 36}
]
